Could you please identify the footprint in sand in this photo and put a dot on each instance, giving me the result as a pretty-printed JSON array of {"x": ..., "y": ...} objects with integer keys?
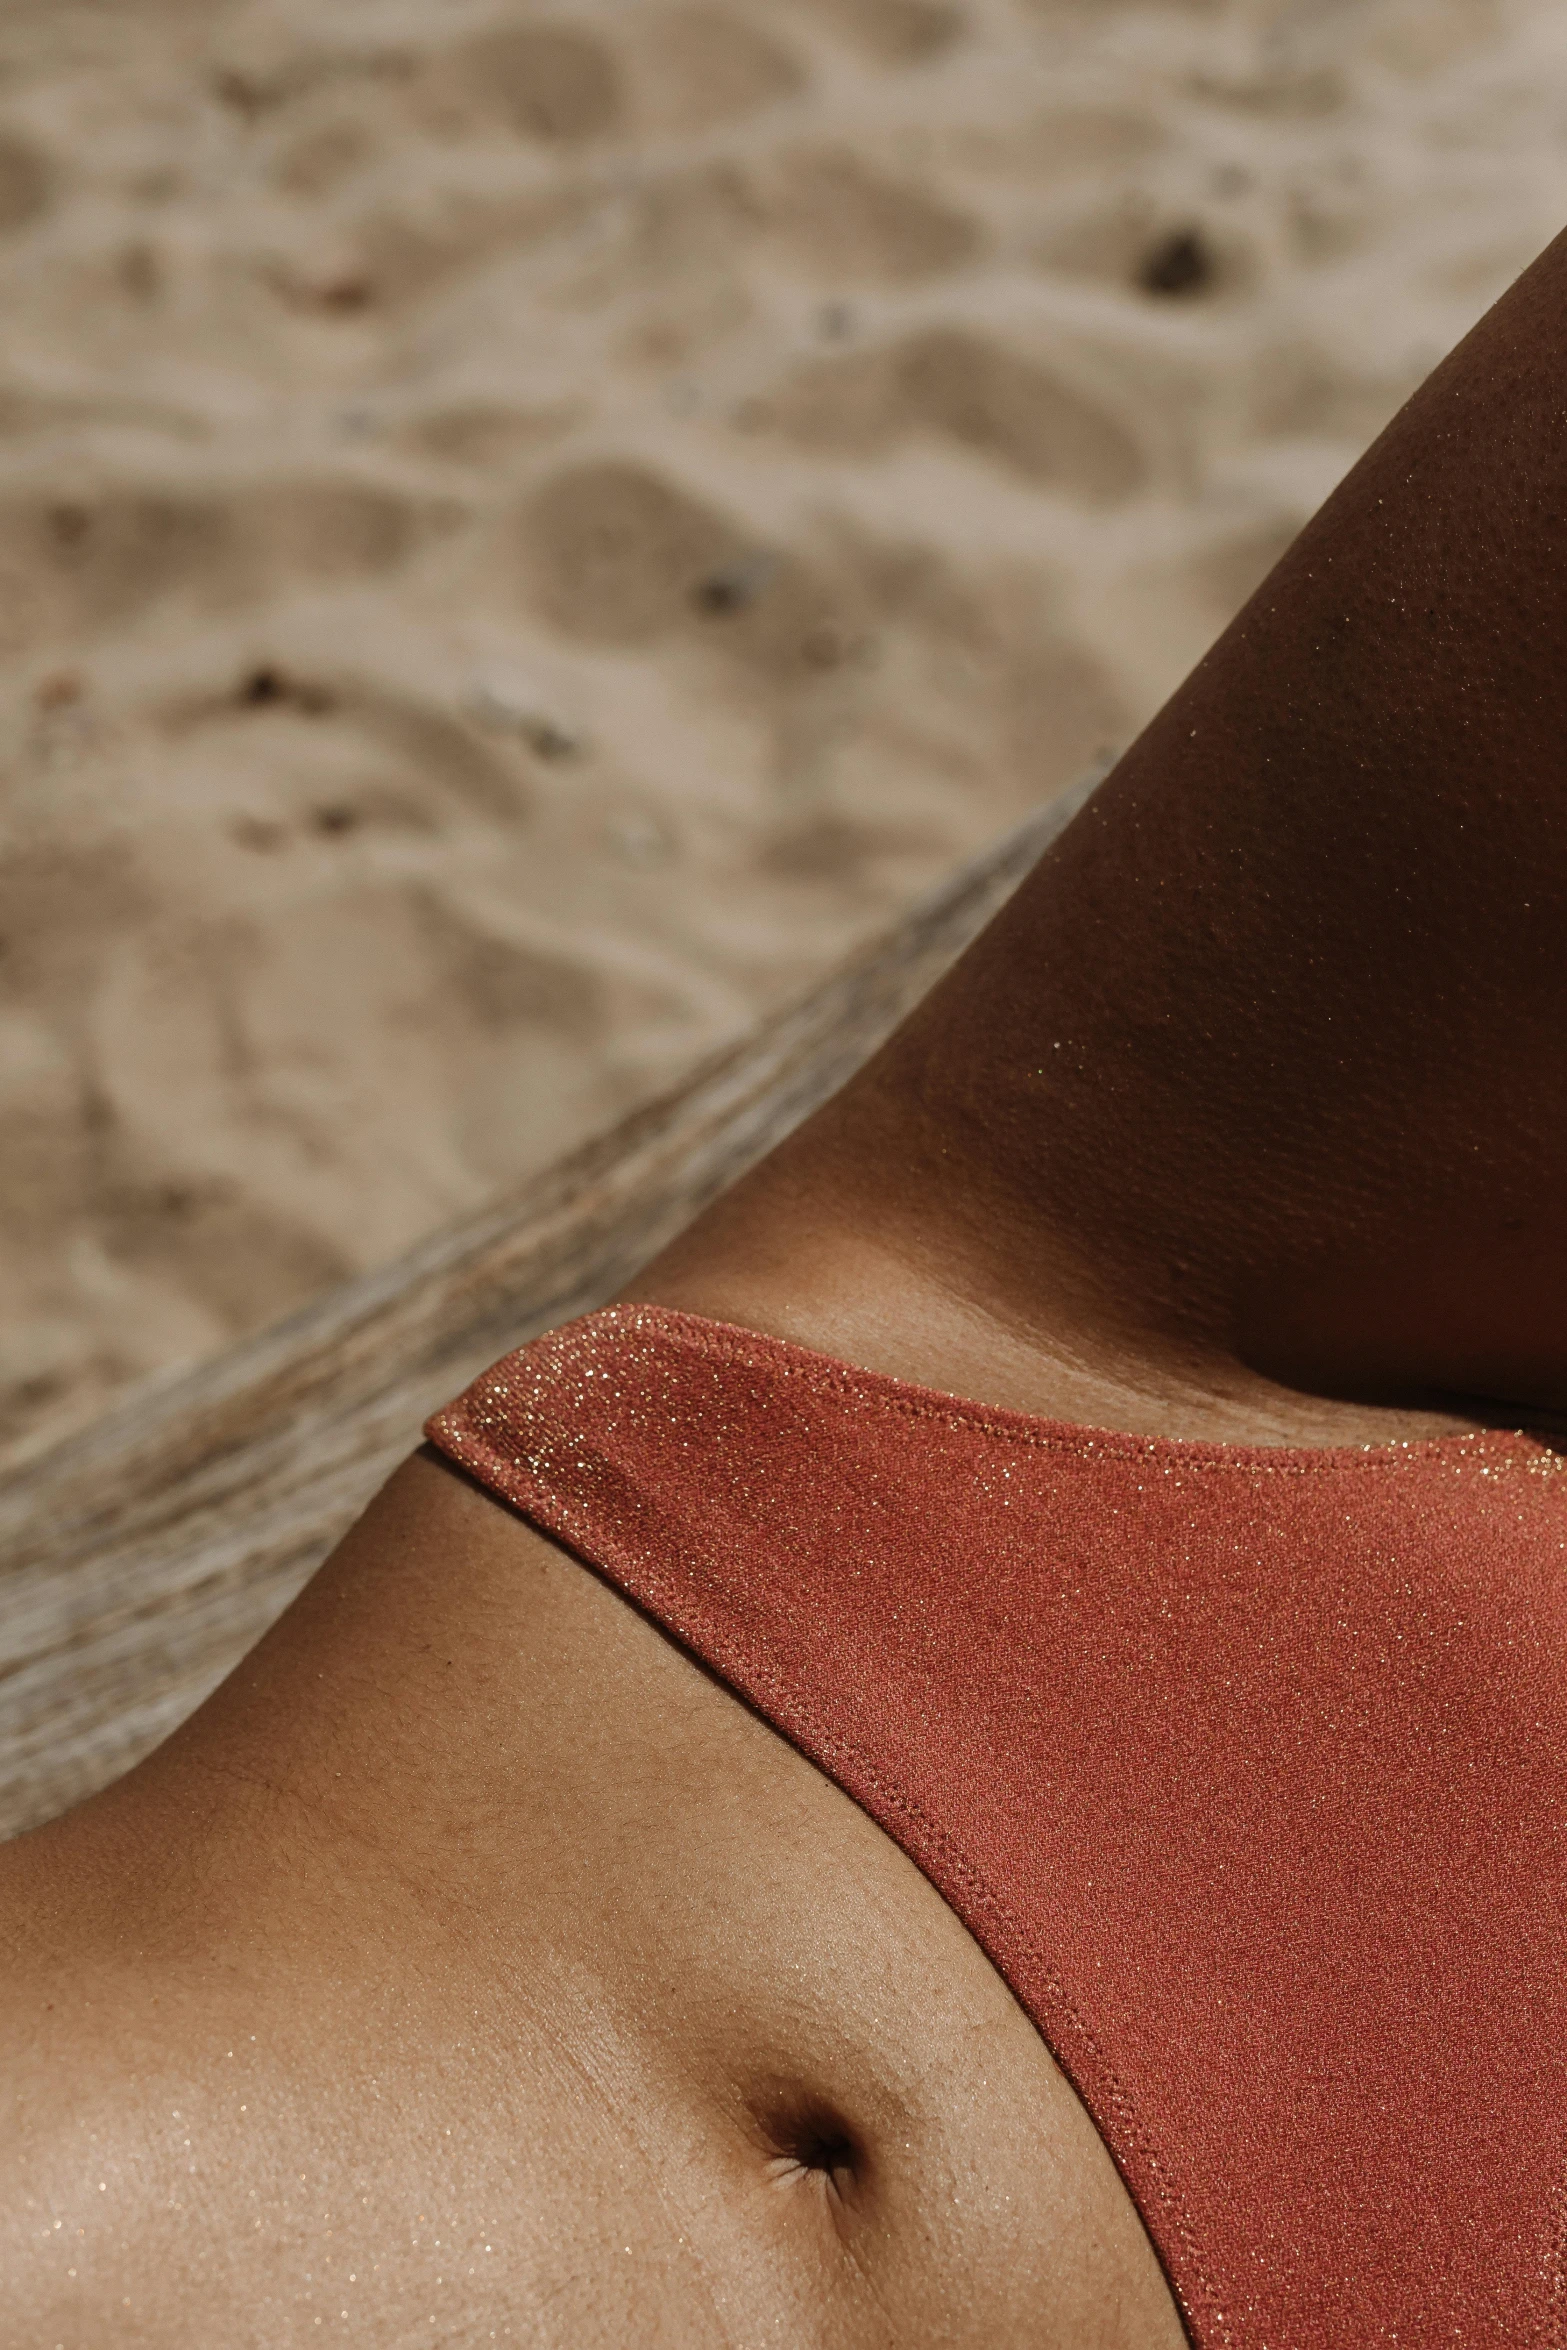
[
  {"x": 97, "y": 556},
  {"x": 617, "y": 555},
  {"x": 408, "y": 251},
  {"x": 547, "y": 82},
  {"x": 699, "y": 67},
  {"x": 327, "y": 732},
  {"x": 843, "y": 220},
  {"x": 971, "y": 389}
]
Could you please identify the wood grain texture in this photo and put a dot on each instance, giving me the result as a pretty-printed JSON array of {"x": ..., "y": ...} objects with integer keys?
[{"x": 143, "y": 1557}]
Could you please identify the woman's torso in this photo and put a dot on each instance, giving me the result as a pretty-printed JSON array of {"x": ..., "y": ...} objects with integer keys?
[
  {"x": 477, "y": 1968},
  {"x": 1246, "y": 1766}
]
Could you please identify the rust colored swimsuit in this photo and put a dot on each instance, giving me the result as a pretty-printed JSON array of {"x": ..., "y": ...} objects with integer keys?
[{"x": 1246, "y": 1767}]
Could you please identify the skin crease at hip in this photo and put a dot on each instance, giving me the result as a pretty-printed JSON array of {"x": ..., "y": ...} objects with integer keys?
[{"x": 473, "y": 1966}]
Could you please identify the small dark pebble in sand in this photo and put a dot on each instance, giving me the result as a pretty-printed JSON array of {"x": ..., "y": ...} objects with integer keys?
[
  {"x": 246, "y": 95},
  {"x": 549, "y": 740},
  {"x": 1181, "y": 263},
  {"x": 734, "y": 585},
  {"x": 336, "y": 819},
  {"x": 346, "y": 294},
  {"x": 269, "y": 688}
]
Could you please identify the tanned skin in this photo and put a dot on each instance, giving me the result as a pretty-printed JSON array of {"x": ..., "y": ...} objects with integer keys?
[
  {"x": 473, "y": 1967},
  {"x": 1246, "y": 1118}
]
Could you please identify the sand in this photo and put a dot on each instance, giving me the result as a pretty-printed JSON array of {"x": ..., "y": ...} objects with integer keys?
[{"x": 526, "y": 532}]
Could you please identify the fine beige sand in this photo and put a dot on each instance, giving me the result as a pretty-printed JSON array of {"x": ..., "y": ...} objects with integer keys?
[{"x": 525, "y": 531}]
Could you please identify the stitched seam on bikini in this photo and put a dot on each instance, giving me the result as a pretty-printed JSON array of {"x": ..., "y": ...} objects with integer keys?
[
  {"x": 610, "y": 1555},
  {"x": 1551, "y": 2332},
  {"x": 1380, "y": 1459}
]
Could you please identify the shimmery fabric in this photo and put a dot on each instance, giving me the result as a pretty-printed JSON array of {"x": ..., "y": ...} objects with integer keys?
[{"x": 1248, "y": 1769}]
